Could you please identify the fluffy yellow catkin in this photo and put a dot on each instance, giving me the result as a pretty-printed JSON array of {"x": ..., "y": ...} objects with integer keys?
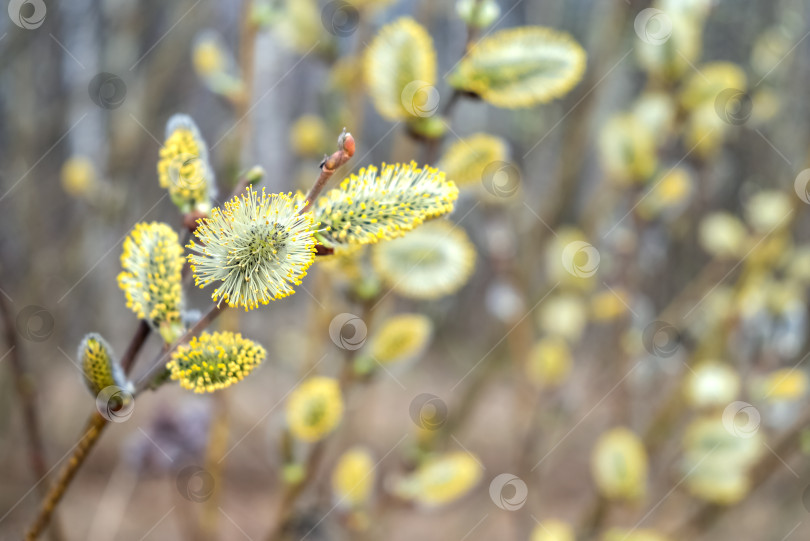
[
  {"x": 257, "y": 247},
  {"x": 383, "y": 204},
  {"x": 214, "y": 361},
  {"x": 152, "y": 262},
  {"x": 183, "y": 167},
  {"x": 99, "y": 366}
]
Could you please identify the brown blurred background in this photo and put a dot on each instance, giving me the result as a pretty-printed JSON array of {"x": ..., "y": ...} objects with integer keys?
[{"x": 59, "y": 252}]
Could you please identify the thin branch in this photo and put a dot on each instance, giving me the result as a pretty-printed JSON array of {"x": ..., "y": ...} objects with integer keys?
[
  {"x": 55, "y": 493},
  {"x": 247, "y": 64},
  {"x": 138, "y": 339},
  {"x": 95, "y": 427},
  {"x": 433, "y": 144},
  {"x": 329, "y": 165},
  {"x": 594, "y": 517},
  {"x": 28, "y": 402},
  {"x": 97, "y": 423},
  {"x": 159, "y": 364}
]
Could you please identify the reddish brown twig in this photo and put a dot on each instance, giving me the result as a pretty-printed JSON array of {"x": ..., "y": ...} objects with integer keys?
[
  {"x": 329, "y": 165},
  {"x": 138, "y": 339}
]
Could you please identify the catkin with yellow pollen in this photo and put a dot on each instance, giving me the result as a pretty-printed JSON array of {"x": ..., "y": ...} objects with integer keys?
[
  {"x": 214, "y": 361},
  {"x": 383, "y": 204},
  {"x": 257, "y": 247},
  {"x": 183, "y": 167},
  {"x": 520, "y": 67},
  {"x": 208, "y": 56},
  {"x": 619, "y": 465},
  {"x": 152, "y": 262},
  {"x": 99, "y": 366},
  {"x": 401, "y": 90}
]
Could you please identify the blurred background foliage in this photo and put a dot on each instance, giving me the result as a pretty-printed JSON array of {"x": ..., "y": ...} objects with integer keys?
[{"x": 642, "y": 266}]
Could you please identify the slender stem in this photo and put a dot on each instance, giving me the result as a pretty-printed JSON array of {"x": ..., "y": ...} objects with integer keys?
[
  {"x": 138, "y": 339},
  {"x": 286, "y": 508},
  {"x": 25, "y": 392},
  {"x": 95, "y": 426},
  {"x": 142, "y": 331},
  {"x": 97, "y": 423},
  {"x": 55, "y": 493},
  {"x": 536, "y": 416},
  {"x": 328, "y": 167},
  {"x": 28, "y": 402},
  {"x": 432, "y": 144},
  {"x": 451, "y": 103},
  {"x": 247, "y": 55},
  {"x": 186, "y": 517},
  {"x": 284, "y": 514},
  {"x": 159, "y": 364},
  {"x": 239, "y": 145}
]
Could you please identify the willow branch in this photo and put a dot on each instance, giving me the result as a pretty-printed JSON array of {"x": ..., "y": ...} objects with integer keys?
[
  {"x": 329, "y": 165},
  {"x": 432, "y": 144},
  {"x": 93, "y": 431},
  {"x": 55, "y": 493},
  {"x": 25, "y": 391},
  {"x": 158, "y": 366},
  {"x": 97, "y": 423},
  {"x": 138, "y": 339},
  {"x": 286, "y": 508},
  {"x": 247, "y": 55},
  {"x": 28, "y": 402},
  {"x": 95, "y": 426}
]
